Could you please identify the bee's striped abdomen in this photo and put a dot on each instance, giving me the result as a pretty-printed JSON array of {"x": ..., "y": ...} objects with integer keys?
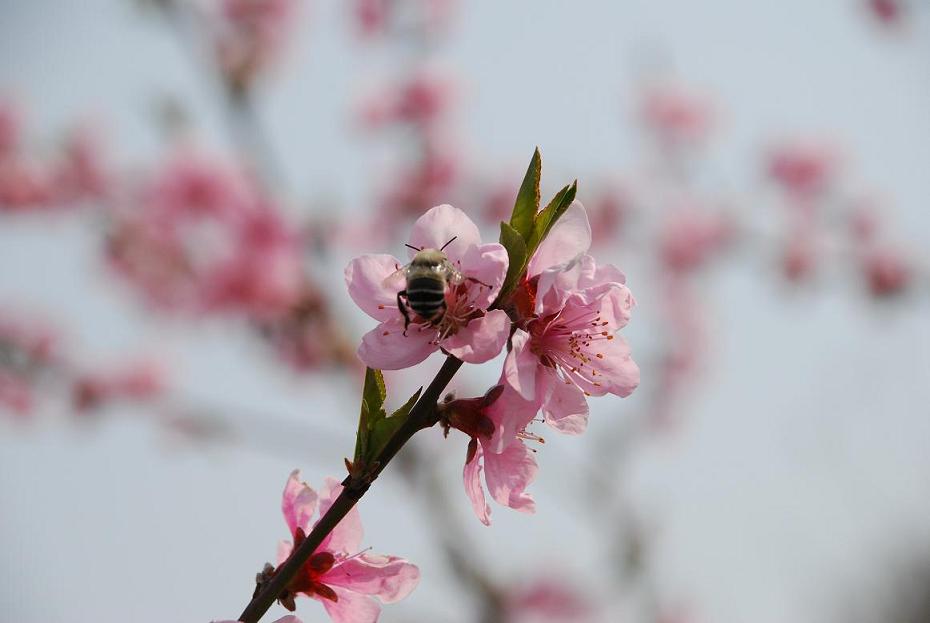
[{"x": 426, "y": 296}]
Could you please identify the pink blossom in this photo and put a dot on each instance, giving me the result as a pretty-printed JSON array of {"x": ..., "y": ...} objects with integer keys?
[
  {"x": 549, "y": 599},
  {"x": 466, "y": 329},
  {"x": 676, "y": 115},
  {"x": 202, "y": 238},
  {"x": 422, "y": 98},
  {"x": 27, "y": 349},
  {"x": 799, "y": 257},
  {"x": 339, "y": 575},
  {"x": 496, "y": 424},
  {"x": 887, "y": 12},
  {"x": 566, "y": 347},
  {"x": 250, "y": 36},
  {"x": 886, "y": 271},
  {"x": 136, "y": 382},
  {"x": 689, "y": 236},
  {"x": 804, "y": 168}
]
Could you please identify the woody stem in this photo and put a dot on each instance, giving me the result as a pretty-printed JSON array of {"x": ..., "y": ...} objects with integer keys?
[{"x": 422, "y": 415}]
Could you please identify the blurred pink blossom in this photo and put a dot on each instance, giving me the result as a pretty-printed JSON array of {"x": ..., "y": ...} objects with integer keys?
[
  {"x": 250, "y": 36},
  {"x": 202, "y": 238},
  {"x": 690, "y": 236},
  {"x": 420, "y": 98},
  {"x": 804, "y": 167},
  {"x": 345, "y": 579},
  {"x": 887, "y": 271},
  {"x": 28, "y": 348},
  {"x": 136, "y": 382},
  {"x": 799, "y": 257},
  {"x": 547, "y": 599},
  {"x": 465, "y": 328},
  {"x": 675, "y": 115},
  {"x": 887, "y": 12}
]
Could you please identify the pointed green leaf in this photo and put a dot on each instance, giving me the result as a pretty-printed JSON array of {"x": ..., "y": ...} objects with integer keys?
[
  {"x": 527, "y": 204},
  {"x": 404, "y": 411},
  {"x": 516, "y": 255},
  {"x": 550, "y": 215},
  {"x": 384, "y": 428},
  {"x": 374, "y": 393}
]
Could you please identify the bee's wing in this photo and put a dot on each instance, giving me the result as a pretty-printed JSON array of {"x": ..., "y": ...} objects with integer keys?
[{"x": 399, "y": 276}]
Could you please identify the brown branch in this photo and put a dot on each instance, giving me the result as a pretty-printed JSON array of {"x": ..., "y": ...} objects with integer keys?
[{"x": 423, "y": 415}]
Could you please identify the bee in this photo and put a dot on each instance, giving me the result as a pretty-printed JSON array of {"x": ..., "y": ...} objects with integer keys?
[{"x": 428, "y": 276}]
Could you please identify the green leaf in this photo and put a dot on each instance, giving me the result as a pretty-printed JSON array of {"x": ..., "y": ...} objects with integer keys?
[
  {"x": 550, "y": 215},
  {"x": 527, "y": 203},
  {"x": 517, "y": 256},
  {"x": 404, "y": 411},
  {"x": 373, "y": 394},
  {"x": 383, "y": 429}
]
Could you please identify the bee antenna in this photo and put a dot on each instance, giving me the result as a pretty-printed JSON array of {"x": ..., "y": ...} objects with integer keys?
[
  {"x": 410, "y": 246},
  {"x": 443, "y": 247}
]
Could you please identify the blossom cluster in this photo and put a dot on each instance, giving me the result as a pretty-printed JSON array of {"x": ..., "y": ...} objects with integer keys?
[{"x": 559, "y": 323}]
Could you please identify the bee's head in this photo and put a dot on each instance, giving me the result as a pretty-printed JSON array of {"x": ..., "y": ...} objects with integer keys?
[{"x": 429, "y": 257}]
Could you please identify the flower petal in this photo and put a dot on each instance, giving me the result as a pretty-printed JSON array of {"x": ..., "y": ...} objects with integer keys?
[
  {"x": 346, "y": 537},
  {"x": 564, "y": 407},
  {"x": 388, "y": 578},
  {"x": 474, "y": 490},
  {"x": 487, "y": 264},
  {"x": 617, "y": 373},
  {"x": 509, "y": 473},
  {"x": 511, "y": 413},
  {"x": 373, "y": 282},
  {"x": 440, "y": 225},
  {"x": 520, "y": 366},
  {"x": 387, "y": 348},
  {"x": 351, "y": 607},
  {"x": 569, "y": 237},
  {"x": 298, "y": 503},
  {"x": 481, "y": 339}
]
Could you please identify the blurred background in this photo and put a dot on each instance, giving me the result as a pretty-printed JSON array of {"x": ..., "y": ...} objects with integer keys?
[{"x": 182, "y": 183}]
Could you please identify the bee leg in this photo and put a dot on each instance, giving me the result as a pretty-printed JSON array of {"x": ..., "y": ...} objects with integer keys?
[
  {"x": 472, "y": 279},
  {"x": 402, "y": 306}
]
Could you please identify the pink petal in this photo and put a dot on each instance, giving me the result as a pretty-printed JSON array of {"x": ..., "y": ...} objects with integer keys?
[
  {"x": 439, "y": 225},
  {"x": 388, "y": 578},
  {"x": 346, "y": 538},
  {"x": 569, "y": 237},
  {"x": 557, "y": 283},
  {"x": 511, "y": 413},
  {"x": 387, "y": 348},
  {"x": 486, "y": 263},
  {"x": 564, "y": 407},
  {"x": 373, "y": 282},
  {"x": 481, "y": 339},
  {"x": 351, "y": 607},
  {"x": 617, "y": 373},
  {"x": 474, "y": 490},
  {"x": 298, "y": 503},
  {"x": 520, "y": 366},
  {"x": 509, "y": 473},
  {"x": 284, "y": 550}
]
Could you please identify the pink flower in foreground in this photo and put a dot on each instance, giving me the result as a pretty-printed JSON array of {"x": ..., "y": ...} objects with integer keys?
[
  {"x": 496, "y": 423},
  {"x": 567, "y": 347},
  {"x": 465, "y": 329},
  {"x": 340, "y": 576}
]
